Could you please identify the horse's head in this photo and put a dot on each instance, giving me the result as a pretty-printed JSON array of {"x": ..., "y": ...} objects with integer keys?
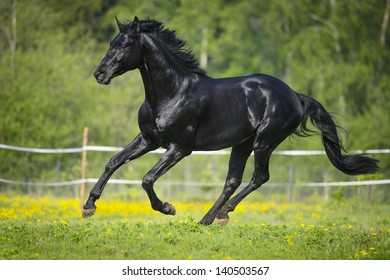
[{"x": 123, "y": 55}]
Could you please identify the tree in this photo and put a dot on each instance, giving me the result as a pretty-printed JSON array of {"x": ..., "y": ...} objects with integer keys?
[{"x": 335, "y": 51}]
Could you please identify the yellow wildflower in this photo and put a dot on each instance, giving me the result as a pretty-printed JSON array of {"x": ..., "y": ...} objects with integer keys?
[
  {"x": 363, "y": 253},
  {"x": 316, "y": 215},
  {"x": 310, "y": 227},
  {"x": 289, "y": 239}
]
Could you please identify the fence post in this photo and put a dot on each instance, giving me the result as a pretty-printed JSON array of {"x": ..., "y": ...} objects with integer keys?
[
  {"x": 290, "y": 185},
  {"x": 325, "y": 178},
  {"x": 83, "y": 165}
]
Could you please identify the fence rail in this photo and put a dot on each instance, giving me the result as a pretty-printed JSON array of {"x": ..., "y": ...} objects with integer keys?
[
  {"x": 206, "y": 184},
  {"x": 82, "y": 181},
  {"x": 161, "y": 151}
]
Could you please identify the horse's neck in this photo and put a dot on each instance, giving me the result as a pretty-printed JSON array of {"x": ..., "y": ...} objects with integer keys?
[{"x": 161, "y": 80}]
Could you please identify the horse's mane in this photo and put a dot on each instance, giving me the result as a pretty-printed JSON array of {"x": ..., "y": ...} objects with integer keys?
[{"x": 174, "y": 45}]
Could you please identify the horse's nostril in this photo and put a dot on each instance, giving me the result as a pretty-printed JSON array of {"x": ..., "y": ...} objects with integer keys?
[
  {"x": 99, "y": 74},
  {"x": 102, "y": 76}
]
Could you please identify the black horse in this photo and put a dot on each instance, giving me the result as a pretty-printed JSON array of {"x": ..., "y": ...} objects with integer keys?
[{"x": 185, "y": 110}]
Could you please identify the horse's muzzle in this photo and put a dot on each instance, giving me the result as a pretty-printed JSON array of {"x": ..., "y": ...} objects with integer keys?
[{"x": 101, "y": 76}]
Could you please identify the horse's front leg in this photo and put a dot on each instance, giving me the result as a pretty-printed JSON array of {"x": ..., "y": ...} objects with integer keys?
[
  {"x": 172, "y": 156},
  {"x": 138, "y": 147}
]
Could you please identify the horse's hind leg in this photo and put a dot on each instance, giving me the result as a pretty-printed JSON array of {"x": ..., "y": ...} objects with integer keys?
[
  {"x": 260, "y": 176},
  {"x": 262, "y": 152},
  {"x": 237, "y": 162}
]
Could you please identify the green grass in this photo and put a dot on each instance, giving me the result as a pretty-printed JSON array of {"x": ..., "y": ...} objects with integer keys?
[
  {"x": 122, "y": 240},
  {"x": 340, "y": 231}
]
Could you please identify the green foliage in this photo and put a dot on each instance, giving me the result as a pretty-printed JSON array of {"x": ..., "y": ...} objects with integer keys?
[{"x": 330, "y": 50}]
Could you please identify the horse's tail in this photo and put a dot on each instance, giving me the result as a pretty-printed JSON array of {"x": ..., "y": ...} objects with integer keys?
[{"x": 323, "y": 121}]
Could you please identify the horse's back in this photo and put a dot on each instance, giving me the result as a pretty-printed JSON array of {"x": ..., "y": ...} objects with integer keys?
[
  {"x": 234, "y": 108},
  {"x": 259, "y": 95},
  {"x": 280, "y": 98}
]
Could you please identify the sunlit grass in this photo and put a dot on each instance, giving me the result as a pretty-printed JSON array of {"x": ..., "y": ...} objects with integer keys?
[{"x": 48, "y": 228}]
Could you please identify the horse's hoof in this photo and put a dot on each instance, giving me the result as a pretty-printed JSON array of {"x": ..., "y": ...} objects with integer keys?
[
  {"x": 204, "y": 222},
  {"x": 169, "y": 209},
  {"x": 223, "y": 221},
  {"x": 88, "y": 212}
]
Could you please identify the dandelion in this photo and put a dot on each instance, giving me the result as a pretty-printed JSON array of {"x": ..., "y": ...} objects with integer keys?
[
  {"x": 228, "y": 258},
  {"x": 169, "y": 233},
  {"x": 189, "y": 257},
  {"x": 289, "y": 239},
  {"x": 264, "y": 208},
  {"x": 309, "y": 226},
  {"x": 316, "y": 215},
  {"x": 299, "y": 216},
  {"x": 350, "y": 226},
  {"x": 363, "y": 253}
]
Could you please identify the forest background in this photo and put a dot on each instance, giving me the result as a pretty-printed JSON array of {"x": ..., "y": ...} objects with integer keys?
[{"x": 335, "y": 51}]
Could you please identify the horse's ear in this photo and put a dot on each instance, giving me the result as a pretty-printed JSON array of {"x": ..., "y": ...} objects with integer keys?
[
  {"x": 135, "y": 26},
  {"x": 121, "y": 26}
]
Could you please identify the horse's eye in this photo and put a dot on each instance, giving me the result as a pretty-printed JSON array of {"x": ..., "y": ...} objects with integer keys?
[
  {"x": 130, "y": 40},
  {"x": 127, "y": 43}
]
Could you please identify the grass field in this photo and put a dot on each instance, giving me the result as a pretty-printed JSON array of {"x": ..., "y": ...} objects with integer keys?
[{"x": 52, "y": 229}]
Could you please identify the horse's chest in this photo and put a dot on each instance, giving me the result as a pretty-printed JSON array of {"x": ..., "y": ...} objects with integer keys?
[
  {"x": 174, "y": 118},
  {"x": 163, "y": 122}
]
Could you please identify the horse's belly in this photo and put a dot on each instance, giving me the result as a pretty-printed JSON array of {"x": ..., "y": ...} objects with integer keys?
[
  {"x": 227, "y": 120},
  {"x": 223, "y": 135}
]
